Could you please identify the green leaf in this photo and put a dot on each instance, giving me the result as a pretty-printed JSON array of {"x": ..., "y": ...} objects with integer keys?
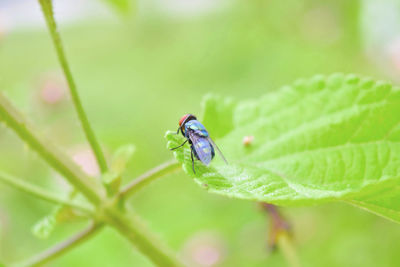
[
  {"x": 61, "y": 213},
  {"x": 333, "y": 138},
  {"x": 119, "y": 162},
  {"x": 121, "y": 158},
  {"x": 45, "y": 227}
]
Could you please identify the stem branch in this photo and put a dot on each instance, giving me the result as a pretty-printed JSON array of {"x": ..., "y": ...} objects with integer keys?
[
  {"x": 130, "y": 227},
  {"x": 54, "y": 157},
  {"x": 41, "y": 193},
  {"x": 64, "y": 246},
  {"x": 135, "y": 231},
  {"x": 47, "y": 8},
  {"x": 148, "y": 177}
]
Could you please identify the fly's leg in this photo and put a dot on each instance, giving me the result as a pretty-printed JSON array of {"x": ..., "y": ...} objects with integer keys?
[
  {"x": 179, "y": 145},
  {"x": 179, "y": 129},
  {"x": 191, "y": 155}
]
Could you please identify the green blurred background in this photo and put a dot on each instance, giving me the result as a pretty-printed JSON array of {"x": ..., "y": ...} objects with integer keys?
[{"x": 138, "y": 73}]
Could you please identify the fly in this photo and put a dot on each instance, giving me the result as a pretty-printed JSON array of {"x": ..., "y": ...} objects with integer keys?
[{"x": 201, "y": 145}]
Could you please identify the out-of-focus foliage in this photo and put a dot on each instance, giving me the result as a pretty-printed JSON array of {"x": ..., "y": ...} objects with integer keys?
[
  {"x": 123, "y": 7},
  {"x": 136, "y": 81}
]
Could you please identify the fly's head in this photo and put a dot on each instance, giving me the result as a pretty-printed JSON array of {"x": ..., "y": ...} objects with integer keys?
[{"x": 185, "y": 118}]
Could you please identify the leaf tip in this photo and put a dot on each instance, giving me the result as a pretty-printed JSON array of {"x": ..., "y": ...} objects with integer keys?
[
  {"x": 383, "y": 86},
  {"x": 335, "y": 80},
  {"x": 317, "y": 82},
  {"x": 352, "y": 79},
  {"x": 366, "y": 83}
]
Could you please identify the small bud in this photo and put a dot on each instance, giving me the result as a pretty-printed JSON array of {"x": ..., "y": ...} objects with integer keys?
[
  {"x": 112, "y": 179},
  {"x": 248, "y": 140},
  {"x": 122, "y": 157},
  {"x": 43, "y": 228}
]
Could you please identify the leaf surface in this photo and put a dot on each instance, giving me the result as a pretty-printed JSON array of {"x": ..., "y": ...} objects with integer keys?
[{"x": 327, "y": 138}]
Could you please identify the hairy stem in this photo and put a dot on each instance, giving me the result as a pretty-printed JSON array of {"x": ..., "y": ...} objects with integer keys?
[
  {"x": 42, "y": 194},
  {"x": 148, "y": 177},
  {"x": 47, "y": 9},
  {"x": 54, "y": 157},
  {"x": 131, "y": 229},
  {"x": 106, "y": 212},
  {"x": 64, "y": 246}
]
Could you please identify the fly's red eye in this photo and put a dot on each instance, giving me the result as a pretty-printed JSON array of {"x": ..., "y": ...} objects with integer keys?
[
  {"x": 183, "y": 119},
  {"x": 186, "y": 118}
]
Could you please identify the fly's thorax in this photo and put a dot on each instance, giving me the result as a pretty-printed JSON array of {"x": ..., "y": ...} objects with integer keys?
[{"x": 197, "y": 127}]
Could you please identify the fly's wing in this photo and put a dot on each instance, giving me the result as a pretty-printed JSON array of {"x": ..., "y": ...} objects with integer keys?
[
  {"x": 202, "y": 147},
  {"x": 216, "y": 148}
]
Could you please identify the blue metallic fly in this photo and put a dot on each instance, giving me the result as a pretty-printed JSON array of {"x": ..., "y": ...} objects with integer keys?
[{"x": 201, "y": 145}]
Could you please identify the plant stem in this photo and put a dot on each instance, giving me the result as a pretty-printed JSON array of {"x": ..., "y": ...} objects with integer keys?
[
  {"x": 134, "y": 230},
  {"x": 278, "y": 224},
  {"x": 131, "y": 227},
  {"x": 55, "y": 158},
  {"x": 64, "y": 246},
  {"x": 41, "y": 193},
  {"x": 47, "y": 8},
  {"x": 285, "y": 245},
  {"x": 280, "y": 235},
  {"x": 148, "y": 177}
]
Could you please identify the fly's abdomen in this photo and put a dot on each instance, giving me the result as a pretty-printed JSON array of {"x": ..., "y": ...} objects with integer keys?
[{"x": 204, "y": 151}]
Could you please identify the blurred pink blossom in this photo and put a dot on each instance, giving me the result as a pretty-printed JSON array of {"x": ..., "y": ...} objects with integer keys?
[
  {"x": 204, "y": 249},
  {"x": 53, "y": 88},
  {"x": 86, "y": 160},
  {"x": 393, "y": 50}
]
